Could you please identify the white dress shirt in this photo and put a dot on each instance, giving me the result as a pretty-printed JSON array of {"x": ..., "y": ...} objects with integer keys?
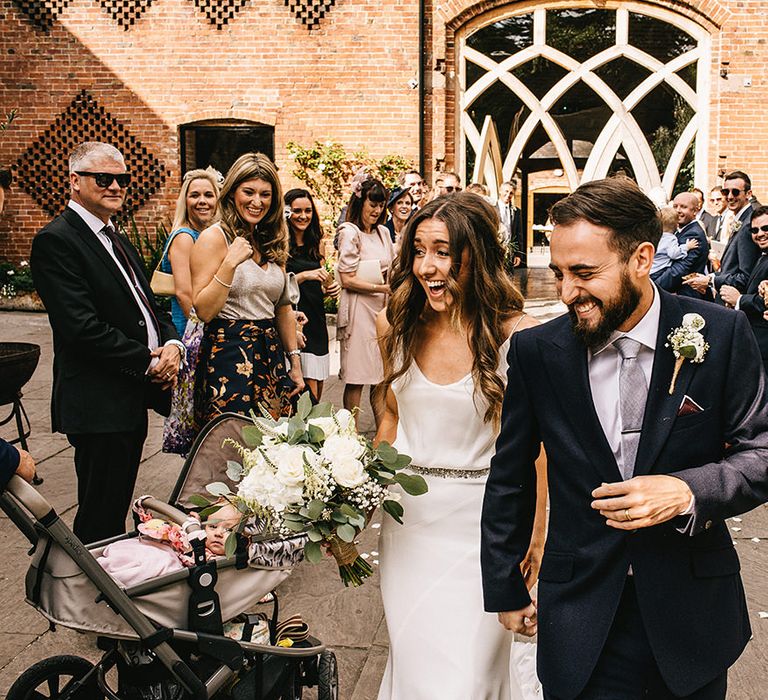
[
  {"x": 96, "y": 225},
  {"x": 604, "y": 367}
]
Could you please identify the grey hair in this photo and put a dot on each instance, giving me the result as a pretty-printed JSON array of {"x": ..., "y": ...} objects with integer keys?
[{"x": 92, "y": 149}]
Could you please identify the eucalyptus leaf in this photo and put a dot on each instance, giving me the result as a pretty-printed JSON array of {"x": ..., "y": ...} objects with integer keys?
[
  {"x": 315, "y": 509},
  {"x": 348, "y": 510},
  {"x": 339, "y": 517},
  {"x": 313, "y": 552},
  {"x": 252, "y": 436},
  {"x": 325, "y": 528},
  {"x": 402, "y": 461},
  {"x": 412, "y": 484},
  {"x": 199, "y": 501},
  {"x": 210, "y": 510},
  {"x": 315, "y": 434},
  {"x": 234, "y": 470},
  {"x": 304, "y": 406},
  {"x": 346, "y": 533},
  {"x": 230, "y": 545},
  {"x": 387, "y": 453},
  {"x": 294, "y": 525},
  {"x": 358, "y": 522},
  {"x": 395, "y": 509},
  {"x": 315, "y": 535},
  {"x": 218, "y": 488}
]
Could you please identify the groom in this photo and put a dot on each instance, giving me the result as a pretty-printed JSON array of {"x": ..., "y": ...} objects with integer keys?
[{"x": 639, "y": 593}]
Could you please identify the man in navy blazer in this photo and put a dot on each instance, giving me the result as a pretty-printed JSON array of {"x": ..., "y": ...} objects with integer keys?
[
  {"x": 639, "y": 588},
  {"x": 14, "y": 461},
  {"x": 671, "y": 279}
]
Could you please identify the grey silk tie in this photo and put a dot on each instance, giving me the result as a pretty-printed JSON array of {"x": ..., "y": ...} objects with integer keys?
[{"x": 633, "y": 392}]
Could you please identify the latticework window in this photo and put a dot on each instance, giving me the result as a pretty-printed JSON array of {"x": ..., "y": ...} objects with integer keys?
[
  {"x": 43, "y": 169},
  {"x": 125, "y": 12},
  {"x": 219, "y": 12},
  {"x": 310, "y": 12},
  {"x": 42, "y": 13}
]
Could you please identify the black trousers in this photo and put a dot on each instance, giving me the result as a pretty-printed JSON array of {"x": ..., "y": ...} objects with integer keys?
[
  {"x": 106, "y": 466},
  {"x": 626, "y": 669}
]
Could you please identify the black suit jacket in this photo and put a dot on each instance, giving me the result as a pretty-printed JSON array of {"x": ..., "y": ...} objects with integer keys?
[
  {"x": 688, "y": 586},
  {"x": 99, "y": 334},
  {"x": 709, "y": 223},
  {"x": 670, "y": 279},
  {"x": 739, "y": 257},
  {"x": 752, "y": 304}
]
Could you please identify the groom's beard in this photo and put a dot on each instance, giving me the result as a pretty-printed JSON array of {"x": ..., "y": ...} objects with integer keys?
[{"x": 613, "y": 313}]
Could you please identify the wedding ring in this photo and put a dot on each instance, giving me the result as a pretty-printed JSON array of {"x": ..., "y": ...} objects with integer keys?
[{"x": 627, "y": 515}]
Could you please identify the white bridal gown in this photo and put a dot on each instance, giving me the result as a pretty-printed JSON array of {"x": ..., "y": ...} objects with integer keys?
[{"x": 442, "y": 643}]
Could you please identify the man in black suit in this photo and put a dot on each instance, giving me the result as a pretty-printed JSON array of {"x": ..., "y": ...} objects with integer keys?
[
  {"x": 741, "y": 253},
  {"x": 718, "y": 205},
  {"x": 752, "y": 302},
  {"x": 639, "y": 591},
  {"x": 707, "y": 220},
  {"x": 509, "y": 215},
  {"x": 115, "y": 353},
  {"x": 688, "y": 227}
]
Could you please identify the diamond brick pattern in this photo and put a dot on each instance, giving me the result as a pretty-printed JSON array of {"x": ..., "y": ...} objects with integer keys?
[
  {"x": 125, "y": 12},
  {"x": 310, "y": 12},
  {"x": 42, "y": 13},
  {"x": 43, "y": 169},
  {"x": 219, "y": 12}
]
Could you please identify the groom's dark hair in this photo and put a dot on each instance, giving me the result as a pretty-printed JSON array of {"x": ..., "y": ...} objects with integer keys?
[{"x": 615, "y": 203}]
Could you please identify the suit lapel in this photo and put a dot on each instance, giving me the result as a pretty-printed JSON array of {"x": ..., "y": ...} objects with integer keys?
[
  {"x": 758, "y": 275},
  {"x": 96, "y": 247},
  {"x": 566, "y": 364},
  {"x": 661, "y": 408}
]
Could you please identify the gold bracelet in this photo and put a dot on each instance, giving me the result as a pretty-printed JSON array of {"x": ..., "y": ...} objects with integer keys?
[{"x": 223, "y": 284}]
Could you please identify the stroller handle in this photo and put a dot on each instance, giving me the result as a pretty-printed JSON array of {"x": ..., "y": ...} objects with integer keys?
[{"x": 29, "y": 497}]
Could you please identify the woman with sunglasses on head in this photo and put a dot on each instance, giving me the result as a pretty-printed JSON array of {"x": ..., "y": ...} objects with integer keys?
[
  {"x": 365, "y": 255},
  {"x": 242, "y": 292},
  {"x": 195, "y": 211},
  {"x": 445, "y": 336},
  {"x": 308, "y": 265}
]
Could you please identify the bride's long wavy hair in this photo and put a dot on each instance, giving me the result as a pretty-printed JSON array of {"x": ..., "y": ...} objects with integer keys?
[{"x": 482, "y": 304}]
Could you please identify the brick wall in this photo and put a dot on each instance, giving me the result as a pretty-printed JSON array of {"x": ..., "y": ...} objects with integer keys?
[{"x": 347, "y": 79}]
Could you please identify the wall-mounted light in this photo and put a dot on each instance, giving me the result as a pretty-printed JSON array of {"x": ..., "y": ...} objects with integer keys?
[
  {"x": 440, "y": 65},
  {"x": 724, "y": 69}
]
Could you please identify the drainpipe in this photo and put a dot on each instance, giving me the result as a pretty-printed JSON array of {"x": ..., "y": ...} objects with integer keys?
[{"x": 422, "y": 90}]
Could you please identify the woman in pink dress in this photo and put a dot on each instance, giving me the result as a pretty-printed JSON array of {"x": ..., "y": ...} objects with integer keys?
[{"x": 365, "y": 250}]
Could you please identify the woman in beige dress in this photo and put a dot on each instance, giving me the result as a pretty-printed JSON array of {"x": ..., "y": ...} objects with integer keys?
[{"x": 363, "y": 241}]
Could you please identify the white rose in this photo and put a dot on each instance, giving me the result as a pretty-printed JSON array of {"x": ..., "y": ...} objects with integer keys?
[
  {"x": 348, "y": 472},
  {"x": 327, "y": 425},
  {"x": 694, "y": 321},
  {"x": 346, "y": 421},
  {"x": 339, "y": 447}
]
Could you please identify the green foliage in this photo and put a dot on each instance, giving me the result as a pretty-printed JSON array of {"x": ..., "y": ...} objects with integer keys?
[
  {"x": 326, "y": 168},
  {"x": 8, "y": 119},
  {"x": 15, "y": 279},
  {"x": 150, "y": 246}
]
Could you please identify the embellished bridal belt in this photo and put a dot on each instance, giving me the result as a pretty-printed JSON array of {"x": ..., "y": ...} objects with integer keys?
[{"x": 446, "y": 473}]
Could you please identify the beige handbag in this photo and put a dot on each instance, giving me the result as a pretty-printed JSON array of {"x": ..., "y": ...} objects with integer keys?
[{"x": 162, "y": 284}]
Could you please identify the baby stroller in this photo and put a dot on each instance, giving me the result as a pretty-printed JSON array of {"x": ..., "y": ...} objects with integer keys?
[{"x": 163, "y": 638}]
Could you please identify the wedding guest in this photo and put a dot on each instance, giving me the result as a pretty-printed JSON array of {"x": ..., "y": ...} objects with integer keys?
[
  {"x": 752, "y": 301},
  {"x": 477, "y": 188},
  {"x": 241, "y": 291},
  {"x": 446, "y": 332},
  {"x": 740, "y": 252},
  {"x": 669, "y": 248},
  {"x": 413, "y": 181},
  {"x": 195, "y": 211},
  {"x": 307, "y": 263},
  {"x": 448, "y": 183},
  {"x": 511, "y": 221},
  {"x": 718, "y": 207},
  {"x": 363, "y": 238},
  {"x": 115, "y": 352},
  {"x": 400, "y": 208},
  {"x": 707, "y": 220},
  {"x": 14, "y": 460}
]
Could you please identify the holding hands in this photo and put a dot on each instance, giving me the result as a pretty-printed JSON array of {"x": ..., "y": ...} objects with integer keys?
[
  {"x": 165, "y": 365},
  {"x": 521, "y": 621},
  {"x": 698, "y": 282},
  {"x": 642, "y": 501}
]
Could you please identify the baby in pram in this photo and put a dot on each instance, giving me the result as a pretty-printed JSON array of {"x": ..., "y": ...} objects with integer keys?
[{"x": 163, "y": 548}]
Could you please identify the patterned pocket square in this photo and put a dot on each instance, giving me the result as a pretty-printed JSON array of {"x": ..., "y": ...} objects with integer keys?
[{"x": 688, "y": 407}]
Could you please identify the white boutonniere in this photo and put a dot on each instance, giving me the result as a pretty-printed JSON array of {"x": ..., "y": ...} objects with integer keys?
[
  {"x": 735, "y": 227},
  {"x": 687, "y": 343}
]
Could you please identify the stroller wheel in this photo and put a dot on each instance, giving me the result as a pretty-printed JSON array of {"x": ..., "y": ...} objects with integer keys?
[
  {"x": 59, "y": 678},
  {"x": 327, "y": 677}
]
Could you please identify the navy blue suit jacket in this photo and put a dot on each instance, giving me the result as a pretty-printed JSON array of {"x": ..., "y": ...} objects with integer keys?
[
  {"x": 9, "y": 462},
  {"x": 688, "y": 585},
  {"x": 739, "y": 257},
  {"x": 670, "y": 279}
]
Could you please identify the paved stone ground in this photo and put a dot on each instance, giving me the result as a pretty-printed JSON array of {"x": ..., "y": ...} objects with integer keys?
[{"x": 349, "y": 620}]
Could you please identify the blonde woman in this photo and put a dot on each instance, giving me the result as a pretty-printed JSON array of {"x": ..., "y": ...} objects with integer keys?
[
  {"x": 241, "y": 291},
  {"x": 195, "y": 211}
]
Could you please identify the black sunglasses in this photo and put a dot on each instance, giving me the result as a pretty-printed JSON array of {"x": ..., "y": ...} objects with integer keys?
[
  {"x": 735, "y": 191},
  {"x": 755, "y": 229},
  {"x": 450, "y": 188},
  {"x": 106, "y": 179}
]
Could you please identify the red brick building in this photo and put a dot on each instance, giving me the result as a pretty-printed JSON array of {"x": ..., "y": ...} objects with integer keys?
[{"x": 555, "y": 92}]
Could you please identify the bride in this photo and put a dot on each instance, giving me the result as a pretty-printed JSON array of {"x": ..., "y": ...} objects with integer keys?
[{"x": 444, "y": 339}]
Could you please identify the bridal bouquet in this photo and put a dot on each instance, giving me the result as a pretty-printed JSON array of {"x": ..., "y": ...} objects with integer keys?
[{"x": 314, "y": 474}]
